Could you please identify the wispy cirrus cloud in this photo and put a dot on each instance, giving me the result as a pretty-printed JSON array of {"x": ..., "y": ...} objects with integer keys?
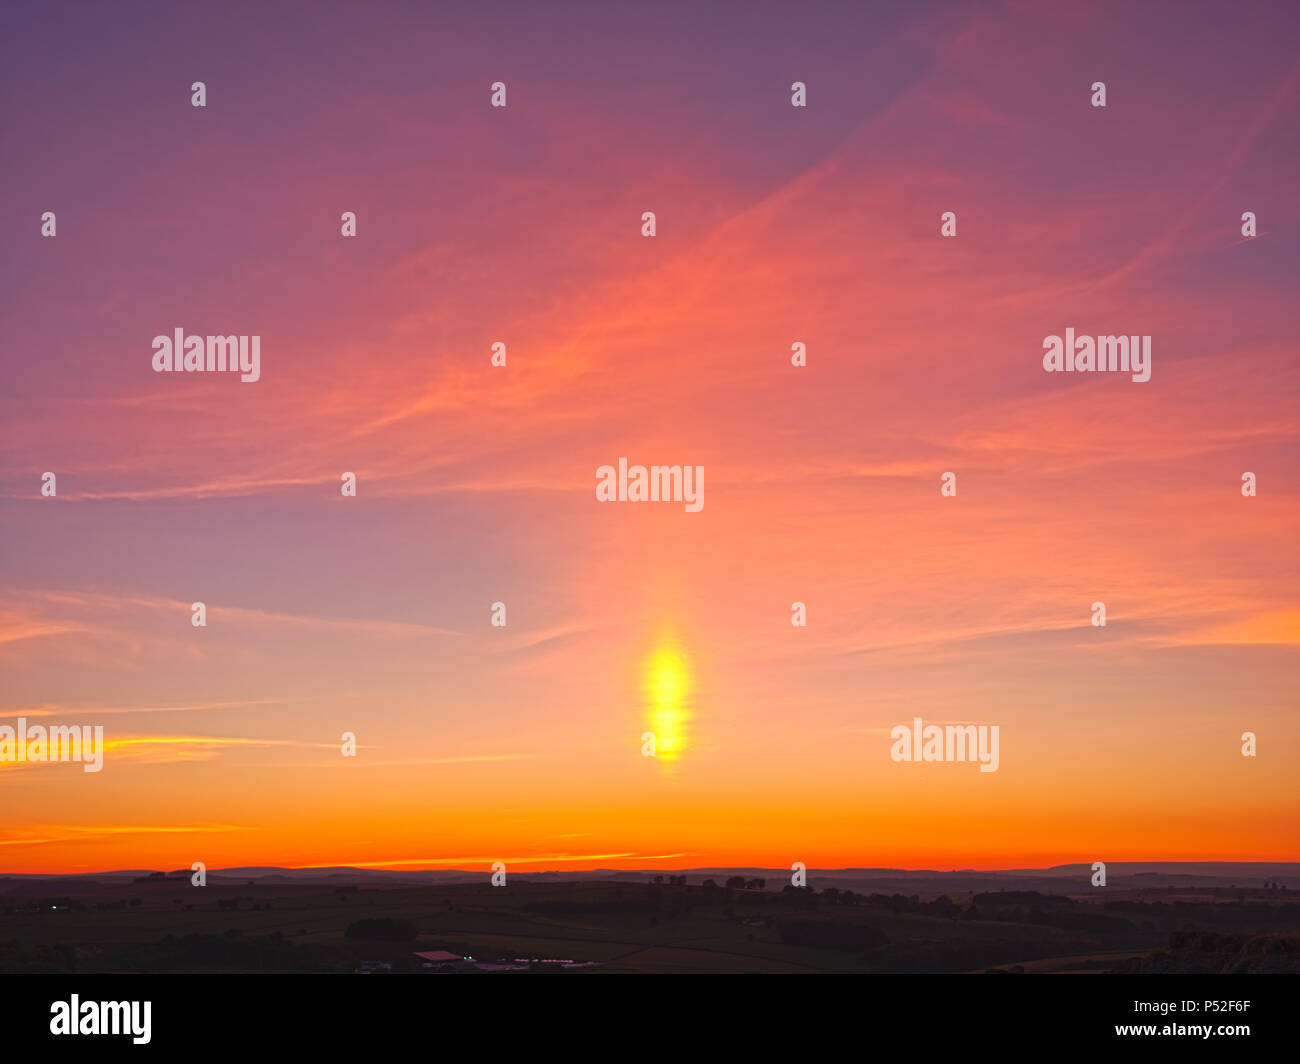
[
  {"x": 41, "y": 834},
  {"x": 560, "y": 858}
]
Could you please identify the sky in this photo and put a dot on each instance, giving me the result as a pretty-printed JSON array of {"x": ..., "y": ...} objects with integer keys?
[{"x": 775, "y": 225}]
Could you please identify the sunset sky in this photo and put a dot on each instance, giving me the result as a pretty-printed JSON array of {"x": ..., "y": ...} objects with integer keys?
[{"x": 775, "y": 225}]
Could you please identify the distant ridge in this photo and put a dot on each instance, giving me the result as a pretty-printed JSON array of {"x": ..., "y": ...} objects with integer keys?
[{"x": 1206, "y": 874}]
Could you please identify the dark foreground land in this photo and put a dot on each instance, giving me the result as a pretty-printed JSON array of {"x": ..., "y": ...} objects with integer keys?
[{"x": 163, "y": 924}]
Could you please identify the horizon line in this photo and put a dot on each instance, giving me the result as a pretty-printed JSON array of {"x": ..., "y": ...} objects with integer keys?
[{"x": 244, "y": 870}]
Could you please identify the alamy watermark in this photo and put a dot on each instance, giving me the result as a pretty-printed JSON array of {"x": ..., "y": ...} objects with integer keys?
[
  {"x": 950, "y": 742},
  {"x": 654, "y": 484},
  {"x": 1102, "y": 354},
  {"x": 59, "y": 742},
  {"x": 102, "y": 1017},
  {"x": 198, "y": 354}
]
